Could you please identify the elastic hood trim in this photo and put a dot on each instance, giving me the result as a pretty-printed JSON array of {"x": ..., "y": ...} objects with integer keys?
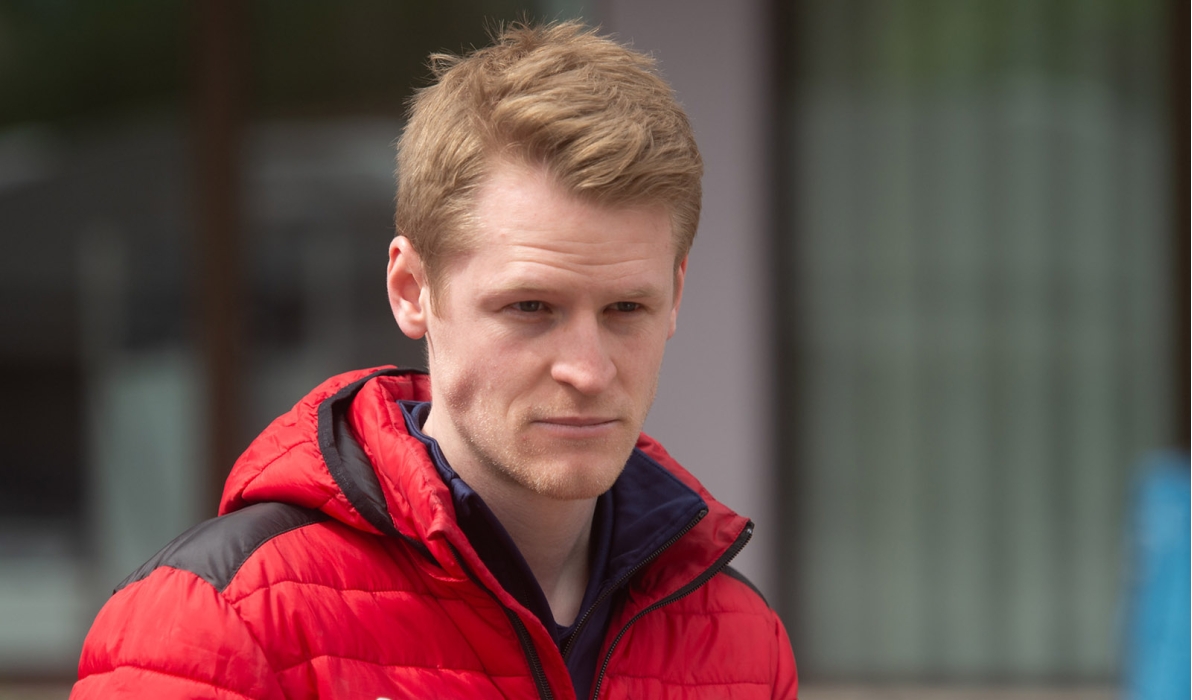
[{"x": 348, "y": 464}]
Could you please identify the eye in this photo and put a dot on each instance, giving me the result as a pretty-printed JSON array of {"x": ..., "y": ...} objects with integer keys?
[
  {"x": 529, "y": 307},
  {"x": 626, "y": 307}
]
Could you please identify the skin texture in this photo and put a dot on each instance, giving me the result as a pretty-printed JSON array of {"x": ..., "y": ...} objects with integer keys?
[{"x": 544, "y": 350}]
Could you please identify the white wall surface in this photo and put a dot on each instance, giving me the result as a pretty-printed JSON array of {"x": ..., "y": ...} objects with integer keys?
[{"x": 715, "y": 401}]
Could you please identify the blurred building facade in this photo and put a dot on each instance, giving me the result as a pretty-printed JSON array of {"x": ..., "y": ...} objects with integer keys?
[
  {"x": 979, "y": 278},
  {"x": 929, "y": 328}
]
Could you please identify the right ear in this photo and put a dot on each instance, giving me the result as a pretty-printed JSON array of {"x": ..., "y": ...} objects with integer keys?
[{"x": 409, "y": 295}]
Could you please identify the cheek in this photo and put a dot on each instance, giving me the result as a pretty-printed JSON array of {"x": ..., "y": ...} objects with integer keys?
[
  {"x": 460, "y": 385},
  {"x": 643, "y": 360},
  {"x": 456, "y": 379}
]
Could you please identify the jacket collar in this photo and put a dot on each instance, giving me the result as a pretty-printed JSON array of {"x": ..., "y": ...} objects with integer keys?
[{"x": 344, "y": 450}]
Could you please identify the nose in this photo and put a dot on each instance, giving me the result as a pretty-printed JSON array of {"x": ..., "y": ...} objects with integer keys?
[{"x": 582, "y": 359}]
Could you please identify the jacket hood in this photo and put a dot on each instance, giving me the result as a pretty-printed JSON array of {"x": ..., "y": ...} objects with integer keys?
[
  {"x": 344, "y": 450},
  {"x": 320, "y": 454}
]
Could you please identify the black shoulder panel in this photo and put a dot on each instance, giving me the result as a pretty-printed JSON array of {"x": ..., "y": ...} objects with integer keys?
[
  {"x": 733, "y": 573},
  {"x": 214, "y": 550}
]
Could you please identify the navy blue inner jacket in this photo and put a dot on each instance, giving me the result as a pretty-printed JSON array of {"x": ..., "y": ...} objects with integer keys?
[{"x": 646, "y": 508}]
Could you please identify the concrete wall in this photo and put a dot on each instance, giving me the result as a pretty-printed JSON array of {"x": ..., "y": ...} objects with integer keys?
[{"x": 715, "y": 399}]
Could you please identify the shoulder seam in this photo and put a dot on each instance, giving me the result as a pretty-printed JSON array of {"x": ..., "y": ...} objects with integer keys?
[
  {"x": 734, "y": 574},
  {"x": 216, "y": 549},
  {"x": 263, "y": 542}
]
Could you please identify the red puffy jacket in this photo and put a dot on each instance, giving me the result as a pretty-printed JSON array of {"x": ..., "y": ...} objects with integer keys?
[{"x": 337, "y": 570}]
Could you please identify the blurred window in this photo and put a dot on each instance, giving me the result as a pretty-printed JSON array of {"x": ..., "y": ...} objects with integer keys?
[{"x": 976, "y": 297}]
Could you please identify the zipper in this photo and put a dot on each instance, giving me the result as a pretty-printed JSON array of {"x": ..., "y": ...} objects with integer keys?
[
  {"x": 523, "y": 635},
  {"x": 716, "y": 567},
  {"x": 628, "y": 575}
]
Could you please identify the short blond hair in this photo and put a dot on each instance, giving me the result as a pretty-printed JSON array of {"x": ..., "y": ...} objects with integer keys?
[{"x": 592, "y": 112}]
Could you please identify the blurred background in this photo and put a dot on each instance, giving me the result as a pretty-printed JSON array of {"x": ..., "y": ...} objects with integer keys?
[{"x": 934, "y": 339}]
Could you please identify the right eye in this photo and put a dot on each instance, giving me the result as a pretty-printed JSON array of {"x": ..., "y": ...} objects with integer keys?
[{"x": 529, "y": 307}]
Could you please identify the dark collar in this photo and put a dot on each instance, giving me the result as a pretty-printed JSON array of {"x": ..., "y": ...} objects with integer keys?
[{"x": 646, "y": 508}]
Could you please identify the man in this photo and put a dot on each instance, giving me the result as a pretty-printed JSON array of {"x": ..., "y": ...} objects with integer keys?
[{"x": 500, "y": 528}]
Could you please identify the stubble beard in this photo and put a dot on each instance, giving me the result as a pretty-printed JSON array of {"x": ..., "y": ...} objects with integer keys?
[{"x": 526, "y": 460}]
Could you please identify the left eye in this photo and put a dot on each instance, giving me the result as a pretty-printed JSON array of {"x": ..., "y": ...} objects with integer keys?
[{"x": 626, "y": 306}]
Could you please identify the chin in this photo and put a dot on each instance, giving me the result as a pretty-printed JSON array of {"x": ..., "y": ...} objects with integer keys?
[{"x": 573, "y": 479}]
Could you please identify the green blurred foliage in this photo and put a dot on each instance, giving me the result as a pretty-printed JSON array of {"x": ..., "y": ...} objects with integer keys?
[
  {"x": 927, "y": 46},
  {"x": 64, "y": 59},
  {"x": 69, "y": 60},
  {"x": 362, "y": 55}
]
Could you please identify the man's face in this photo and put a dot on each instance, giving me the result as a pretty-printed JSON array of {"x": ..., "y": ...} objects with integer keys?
[{"x": 547, "y": 340}]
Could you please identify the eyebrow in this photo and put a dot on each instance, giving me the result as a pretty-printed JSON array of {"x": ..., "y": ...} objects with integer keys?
[
  {"x": 530, "y": 290},
  {"x": 643, "y": 292}
]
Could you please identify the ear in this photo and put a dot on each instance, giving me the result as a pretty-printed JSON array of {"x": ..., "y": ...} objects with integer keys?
[
  {"x": 680, "y": 274},
  {"x": 409, "y": 295}
]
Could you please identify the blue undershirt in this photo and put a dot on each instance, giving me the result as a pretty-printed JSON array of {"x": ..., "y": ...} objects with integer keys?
[{"x": 646, "y": 508}]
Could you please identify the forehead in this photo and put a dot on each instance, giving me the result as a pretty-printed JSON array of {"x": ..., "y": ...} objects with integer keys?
[{"x": 526, "y": 224}]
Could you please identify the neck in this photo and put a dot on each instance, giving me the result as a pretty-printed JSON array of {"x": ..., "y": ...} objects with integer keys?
[{"x": 552, "y": 535}]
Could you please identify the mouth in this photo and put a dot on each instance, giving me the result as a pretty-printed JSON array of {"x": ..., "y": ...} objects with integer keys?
[
  {"x": 576, "y": 421},
  {"x": 578, "y": 426}
]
